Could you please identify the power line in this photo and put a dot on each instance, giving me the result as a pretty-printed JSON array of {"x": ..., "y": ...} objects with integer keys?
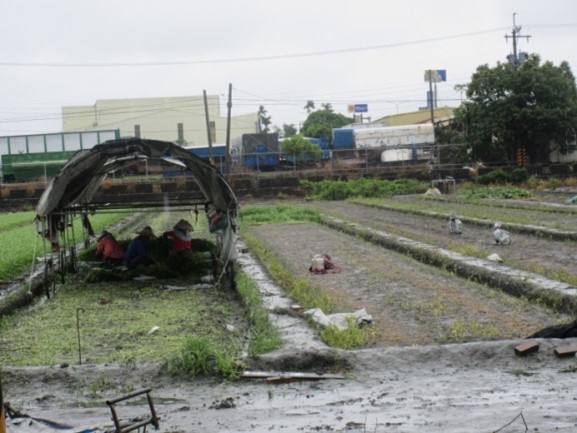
[{"x": 252, "y": 59}]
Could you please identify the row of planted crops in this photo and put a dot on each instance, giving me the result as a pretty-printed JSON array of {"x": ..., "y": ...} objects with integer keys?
[
  {"x": 21, "y": 244},
  {"x": 110, "y": 316}
]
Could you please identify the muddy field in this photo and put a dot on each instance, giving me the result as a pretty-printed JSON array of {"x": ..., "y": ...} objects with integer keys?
[
  {"x": 411, "y": 303},
  {"x": 441, "y": 357}
]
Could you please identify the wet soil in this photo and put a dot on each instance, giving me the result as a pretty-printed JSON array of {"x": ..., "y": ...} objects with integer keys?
[
  {"x": 411, "y": 303},
  {"x": 527, "y": 252},
  {"x": 441, "y": 359}
]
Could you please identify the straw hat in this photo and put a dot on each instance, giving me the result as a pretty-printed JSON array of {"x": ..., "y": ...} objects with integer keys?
[
  {"x": 183, "y": 225},
  {"x": 147, "y": 232},
  {"x": 103, "y": 234}
]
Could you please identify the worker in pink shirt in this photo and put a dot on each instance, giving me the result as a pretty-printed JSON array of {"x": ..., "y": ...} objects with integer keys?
[
  {"x": 181, "y": 236},
  {"x": 109, "y": 250}
]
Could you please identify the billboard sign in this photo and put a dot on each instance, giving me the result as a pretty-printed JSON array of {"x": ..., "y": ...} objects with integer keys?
[{"x": 436, "y": 75}]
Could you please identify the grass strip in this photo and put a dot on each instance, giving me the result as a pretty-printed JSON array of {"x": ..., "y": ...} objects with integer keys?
[
  {"x": 263, "y": 336},
  {"x": 114, "y": 321},
  {"x": 24, "y": 244}
]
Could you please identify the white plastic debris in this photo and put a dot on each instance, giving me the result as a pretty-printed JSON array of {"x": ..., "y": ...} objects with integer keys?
[
  {"x": 494, "y": 258},
  {"x": 153, "y": 329},
  {"x": 173, "y": 288},
  {"x": 144, "y": 278},
  {"x": 207, "y": 279},
  {"x": 433, "y": 191},
  {"x": 203, "y": 286},
  {"x": 340, "y": 320}
]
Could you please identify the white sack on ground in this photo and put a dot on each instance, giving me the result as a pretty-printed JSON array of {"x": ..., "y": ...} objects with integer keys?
[{"x": 340, "y": 320}]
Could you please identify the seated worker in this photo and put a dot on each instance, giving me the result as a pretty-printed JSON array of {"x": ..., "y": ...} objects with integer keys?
[
  {"x": 181, "y": 236},
  {"x": 108, "y": 250},
  {"x": 502, "y": 237},
  {"x": 136, "y": 251},
  {"x": 455, "y": 225}
]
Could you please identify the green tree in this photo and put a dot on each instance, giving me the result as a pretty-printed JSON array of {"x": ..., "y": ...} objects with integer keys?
[
  {"x": 310, "y": 106},
  {"x": 301, "y": 148},
  {"x": 528, "y": 107},
  {"x": 263, "y": 119},
  {"x": 288, "y": 130},
  {"x": 320, "y": 123}
]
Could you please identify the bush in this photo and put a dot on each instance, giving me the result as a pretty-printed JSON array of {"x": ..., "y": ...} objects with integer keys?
[
  {"x": 501, "y": 177},
  {"x": 498, "y": 192},
  {"x": 199, "y": 356},
  {"x": 519, "y": 175},
  {"x": 362, "y": 187},
  {"x": 495, "y": 177}
]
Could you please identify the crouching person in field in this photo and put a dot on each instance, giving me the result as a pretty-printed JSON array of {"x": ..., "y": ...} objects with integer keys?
[
  {"x": 108, "y": 250},
  {"x": 502, "y": 237},
  {"x": 455, "y": 225},
  {"x": 180, "y": 236},
  {"x": 136, "y": 253}
]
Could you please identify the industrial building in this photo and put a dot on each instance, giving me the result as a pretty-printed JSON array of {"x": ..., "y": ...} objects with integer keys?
[{"x": 177, "y": 119}]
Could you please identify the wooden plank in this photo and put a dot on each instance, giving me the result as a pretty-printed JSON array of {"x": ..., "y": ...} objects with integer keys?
[
  {"x": 527, "y": 348},
  {"x": 290, "y": 376},
  {"x": 566, "y": 351}
]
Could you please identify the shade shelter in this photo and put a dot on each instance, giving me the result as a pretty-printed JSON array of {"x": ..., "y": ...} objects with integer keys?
[{"x": 71, "y": 194}]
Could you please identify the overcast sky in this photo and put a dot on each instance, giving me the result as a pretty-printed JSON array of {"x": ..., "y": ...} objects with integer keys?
[{"x": 276, "y": 53}]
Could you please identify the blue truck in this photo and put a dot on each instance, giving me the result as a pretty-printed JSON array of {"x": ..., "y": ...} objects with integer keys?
[{"x": 257, "y": 151}]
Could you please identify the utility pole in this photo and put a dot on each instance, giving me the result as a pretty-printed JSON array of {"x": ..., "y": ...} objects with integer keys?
[
  {"x": 228, "y": 119},
  {"x": 210, "y": 156},
  {"x": 431, "y": 97},
  {"x": 432, "y": 107},
  {"x": 516, "y": 58}
]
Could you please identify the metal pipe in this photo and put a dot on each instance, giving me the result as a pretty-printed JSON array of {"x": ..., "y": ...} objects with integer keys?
[{"x": 78, "y": 310}]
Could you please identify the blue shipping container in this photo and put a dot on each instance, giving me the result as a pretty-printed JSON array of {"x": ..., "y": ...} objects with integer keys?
[{"x": 343, "y": 138}]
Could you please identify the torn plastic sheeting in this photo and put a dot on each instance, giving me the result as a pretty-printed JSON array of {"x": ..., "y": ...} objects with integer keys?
[
  {"x": 340, "y": 320},
  {"x": 81, "y": 176}
]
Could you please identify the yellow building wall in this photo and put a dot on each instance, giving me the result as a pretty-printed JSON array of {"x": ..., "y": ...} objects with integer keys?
[
  {"x": 158, "y": 118},
  {"x": 416, "y": 117}
]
